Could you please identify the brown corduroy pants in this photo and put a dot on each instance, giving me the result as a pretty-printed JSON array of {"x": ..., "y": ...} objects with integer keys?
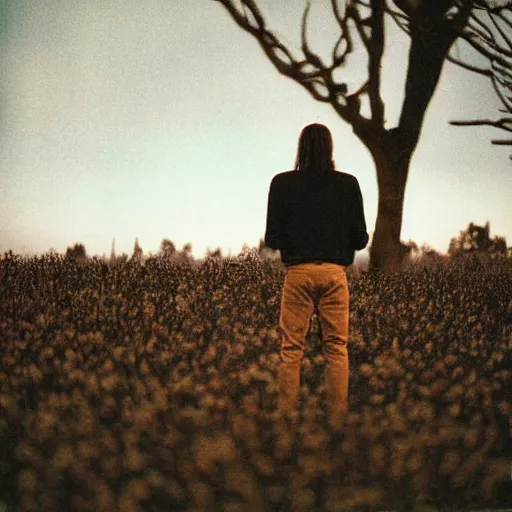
[{"x": 325, "y": 286}]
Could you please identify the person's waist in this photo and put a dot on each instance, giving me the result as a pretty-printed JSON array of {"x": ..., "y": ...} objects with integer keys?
[{"x": 317, "y": 261}]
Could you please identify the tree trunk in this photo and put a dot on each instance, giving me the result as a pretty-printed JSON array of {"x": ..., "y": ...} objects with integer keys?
[
  {"x": 392, "y": 158},
  {"x": 431, "y": 38}
]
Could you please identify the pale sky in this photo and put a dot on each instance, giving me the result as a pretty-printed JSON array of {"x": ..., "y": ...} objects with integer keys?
[{"x": 163, "y": 119}]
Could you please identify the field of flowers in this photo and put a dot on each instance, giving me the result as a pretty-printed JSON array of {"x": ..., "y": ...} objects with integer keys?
[{"x": 152, "y": 387}]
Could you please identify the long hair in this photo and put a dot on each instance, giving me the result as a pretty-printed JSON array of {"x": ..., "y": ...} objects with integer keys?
[{"x": 314, "y": 151}]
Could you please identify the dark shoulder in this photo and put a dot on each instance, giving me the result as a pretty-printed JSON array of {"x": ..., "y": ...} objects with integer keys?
[
  {"x": 348, "y": 182},
  {"x": 282, "y": 177},
  {"x": 286, "y": 175},
  {"x": 343, "y": 178}
]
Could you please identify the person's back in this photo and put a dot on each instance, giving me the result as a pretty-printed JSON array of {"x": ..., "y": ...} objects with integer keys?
[
  {"x": 319, "y": 215},
  {"x": 315, "y": 218}
]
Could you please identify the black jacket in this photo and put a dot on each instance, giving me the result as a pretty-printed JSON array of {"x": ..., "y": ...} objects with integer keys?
[{"x": 315, "y": 216}]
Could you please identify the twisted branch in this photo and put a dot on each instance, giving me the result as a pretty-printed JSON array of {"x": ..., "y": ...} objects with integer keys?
[
  {"x": 311, "y": 72},
  {"x": 375, "y": 58},
  {"x": 492, "y": 39},
  {"x": 505, "y": 123}
]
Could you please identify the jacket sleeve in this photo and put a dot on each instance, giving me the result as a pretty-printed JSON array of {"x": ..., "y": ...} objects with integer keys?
[
  {"x": 273, "y": 230},
  {"x": 358, "y": 232}
]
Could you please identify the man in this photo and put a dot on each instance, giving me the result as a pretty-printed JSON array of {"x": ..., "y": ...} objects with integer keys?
[{"x": 315, "y": 217}]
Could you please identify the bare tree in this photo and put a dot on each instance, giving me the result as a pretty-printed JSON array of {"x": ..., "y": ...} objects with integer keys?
[{"x": 433, "y": 26}]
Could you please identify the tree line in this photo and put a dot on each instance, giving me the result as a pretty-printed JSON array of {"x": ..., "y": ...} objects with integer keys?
[{"x": 475, "y": 240}]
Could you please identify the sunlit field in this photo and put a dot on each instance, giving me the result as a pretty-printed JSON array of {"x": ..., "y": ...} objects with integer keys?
[{"x": 152, "y": 387}]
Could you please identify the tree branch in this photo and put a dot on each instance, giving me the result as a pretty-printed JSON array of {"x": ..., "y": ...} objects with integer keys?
[
  {"x": 469, "y": 67},
  {"x": 506, "y": 101},
  {"x": 311, "y": 57},
  {"x": 405, "y": 6},
  {"x": 486, "y": 46},
  {"x": 311, "y": 73},
  {"x": 344, "y": 36},
  {"x": 505, "y": 37},
  {"x": 479, "y": 26},
  {"x": 504, "y": 123},
  {"x": 374, "y": 63},
  {"x": 354, "y": 14}
]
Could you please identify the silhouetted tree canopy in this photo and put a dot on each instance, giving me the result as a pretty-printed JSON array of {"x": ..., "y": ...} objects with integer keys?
[
  {"x": 476, "y": 240},
  {"x": 76, "y": 253},
  {"x": 167, "y": 249}
]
